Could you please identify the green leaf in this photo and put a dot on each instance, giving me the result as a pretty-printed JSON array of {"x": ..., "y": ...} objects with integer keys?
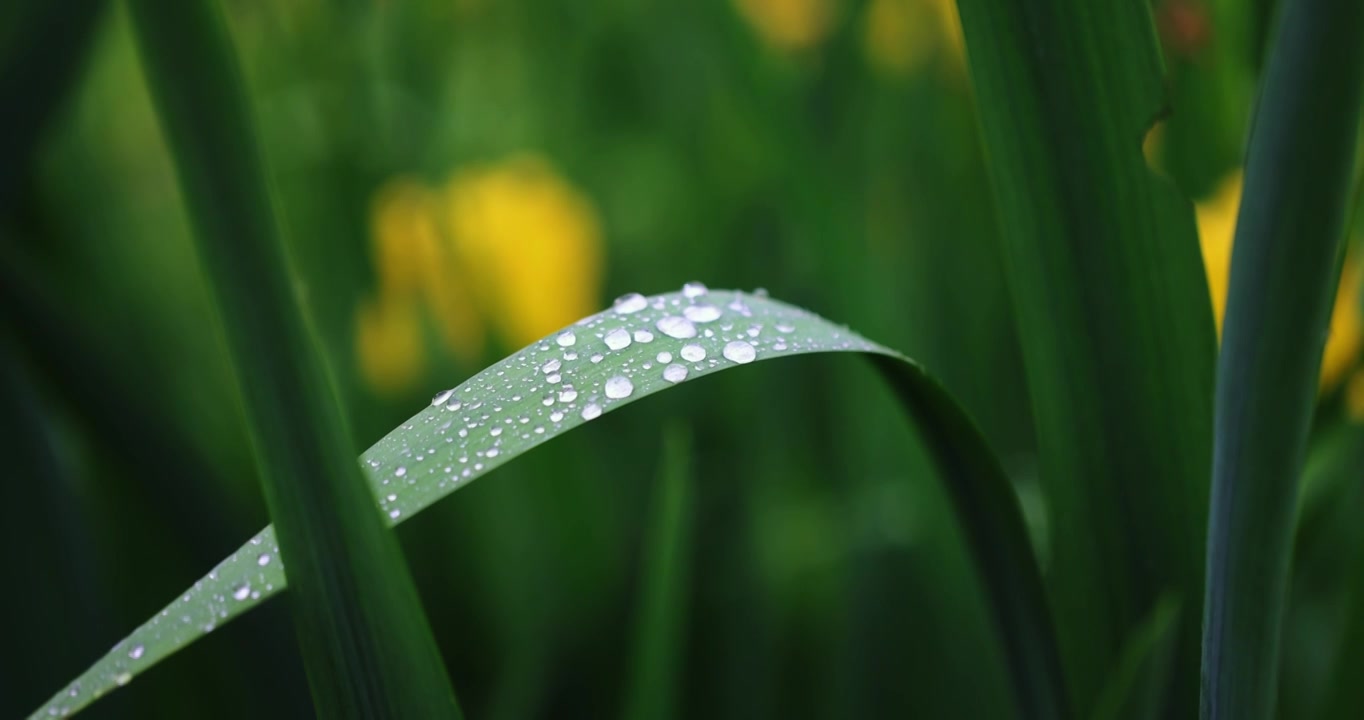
[
  {"x": 1137, "y": 688},
  {"x": 657, "y": 652},
  {"x": 365, "y": 641},
  {"x": 1113, "y": 313},
  {"x": 572, "y": 377},
  {"x": 1284, "y": 270}
]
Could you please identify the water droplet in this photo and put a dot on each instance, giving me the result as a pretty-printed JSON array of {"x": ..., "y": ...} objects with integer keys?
[
  {"x": 497, "y": 430},
  {"x": 454, "y": 405},
  {"x": 394, "y": 513},
  {"x": 552, "y": 366},
  {"x": 740, "y": 352},
  {"x": 675, "y": 373},
  {"x": 568, "y": 394},
  {"x": 754, "y": 330},
  {"x": 241, "y": 592},
  {"x": 136, "y": 652},
  {"x": 556, "y": 416},
  {"x": 592, "y": 411},
  {"x": 442, "y": 397},
  {"x": 630, "y": 303},
  {"x": 596, "y": 359},
  {"x": 263, "y": 560},
  {"x": 618, "y": 339},
  {"x": 493, "y": 452},
  {"x": 643, "y": 336},
  {"x": 401, "y": 471},
  {"x": 566, "y": 339},
  {"x": 701, "y": 313},
  {"x": 123, "y": 678},
  {"x": 694, "y": 289},
  {"x": 693, "y": 353},
  {"x": 554, "y": 379},
  {"x": 392, "y": 497},
  {"x": 784, "y": 327},
  {"x": 619, "y": 387},
  {"x": 665, "y": 357},
  {"x": 677, "y": 327}
]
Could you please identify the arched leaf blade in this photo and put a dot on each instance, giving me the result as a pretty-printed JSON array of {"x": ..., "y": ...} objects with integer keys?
[{"x": 559, "y": 383}]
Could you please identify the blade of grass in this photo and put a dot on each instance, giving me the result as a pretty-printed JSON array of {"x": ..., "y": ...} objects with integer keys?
[
  {"x": 561, "y": 382},
  {"x": 1137, "y": 688},
  {"x": 43, "y": 47},
  {"x": 1113, "y": 314},
  {"x": 1284, "y": 270},
  {"x": 656, "y": 661},
  {"x": 365, "y": 641}
]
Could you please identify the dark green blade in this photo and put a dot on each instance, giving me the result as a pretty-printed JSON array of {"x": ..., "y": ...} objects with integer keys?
[
  {"x": 1112, "y": 310},
  {"x": 365, "y": 640},
  {"x": 571, "y": 378},
  {"x": 1284, "y": 271},
  {"x": 658, "y": 644},
  {"x": 1137, "y": 688}
]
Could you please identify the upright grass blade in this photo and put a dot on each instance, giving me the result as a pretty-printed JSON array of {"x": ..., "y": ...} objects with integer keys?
[
  {"x": 602, "y": 363},
  {"x": 652, "y": 689},
  {"x": 1136, "y": 690},
  {"x": 1283, "y": 278},
  {"x": 1113, "y": 315},
  {"x": 365, "y": 641},
  {"x": 43, "y": 47}
]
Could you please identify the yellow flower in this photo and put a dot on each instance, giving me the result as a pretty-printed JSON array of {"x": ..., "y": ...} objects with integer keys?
[
  {"x": 1216, "y": 230},
  {"x": 531, "y": 244},
  {"x": 901, "y": 36},
  {"x": 789, "y": 25},
  {"x": 507, "y": 247}
]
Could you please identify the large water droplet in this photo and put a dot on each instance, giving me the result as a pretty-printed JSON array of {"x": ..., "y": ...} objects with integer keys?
[
  {"x": 701, "y": 313},
  {"x": 643, "y": 336},
  {"x": 556, "y": 416},
  {"x": 677, "y": 327},
  {"x": 740, "y": 352},
  {"x": 630, "y": 303},
  {"x": 566, "y": 339},
  {"x": 618, "y": 339},
  {"x": 693, "y": 353},
  {"x": 665, "y": 357},
  {"x": 263, "y": 560},
  {"x": 568, "y": 394},
  {"x": 241, "y": 592},
  {"x": 675, "y": 373},
  {"x": 592, "y": 411},
  {"x": 136, "y": 652},
  {"x": 401, "y": 471},
  {"x": 442, "y": 396},
  {"x": 619, "y": 387},
  {"x": 553, "y": 365},
  {"x": 694, "y": 289}
]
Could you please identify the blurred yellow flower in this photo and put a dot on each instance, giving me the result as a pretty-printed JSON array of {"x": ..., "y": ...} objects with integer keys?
[
  {"x": 901, "y": 36},
  {"x": 507, "y": 247},
  {"x": 1216, "y": 230},
  {"x": 789, "y": 25}
]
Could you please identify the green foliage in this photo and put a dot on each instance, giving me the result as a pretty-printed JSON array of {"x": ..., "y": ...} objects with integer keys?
[
  {"x": 1287, "y": 259},
  {"x": 1111, "y": 304},
  {"x": 604, "y": 362}
]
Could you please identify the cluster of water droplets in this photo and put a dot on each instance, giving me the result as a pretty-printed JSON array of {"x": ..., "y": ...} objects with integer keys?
[{"x": 637, "y": 347}]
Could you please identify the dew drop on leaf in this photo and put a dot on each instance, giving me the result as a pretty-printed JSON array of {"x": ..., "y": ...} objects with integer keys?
[
  {"x": 566, "y": 339},
  {"x": 592, "y": 411},
  {"x": 740, "y": 352},
  {"x": 694, "y": 289},
  {"x": 619, "y": 387},
  {"x": 631, "y": 303},
  {"x": 701, "y": 313},
  {"x": 441, "y": 397},
  {"x": 677, "y": 327},
  {"x": 618, "y": 339},
  {"x": 692, "y": 353},
  {"x": 675, "y": 373}
]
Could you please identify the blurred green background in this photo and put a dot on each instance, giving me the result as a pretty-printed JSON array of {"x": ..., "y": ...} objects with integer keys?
[{"x": 458, "y": 178}]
